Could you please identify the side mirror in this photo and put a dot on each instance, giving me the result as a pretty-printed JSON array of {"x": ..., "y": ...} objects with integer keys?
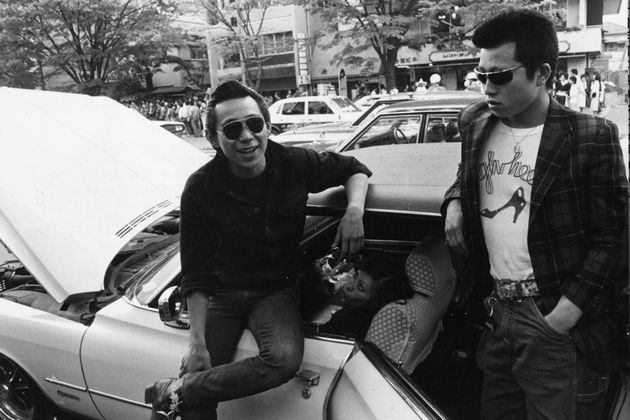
[{"x": 172, "y": 308}]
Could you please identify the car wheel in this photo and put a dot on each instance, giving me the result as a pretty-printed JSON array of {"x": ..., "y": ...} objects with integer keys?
[{"x": 20, "y": 399}]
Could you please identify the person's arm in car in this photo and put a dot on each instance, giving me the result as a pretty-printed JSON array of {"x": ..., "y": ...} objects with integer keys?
[{"x": 350, "y": 233}]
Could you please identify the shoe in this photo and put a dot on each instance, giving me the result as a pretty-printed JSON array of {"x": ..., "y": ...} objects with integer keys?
[{"x": 165, "y": 396}]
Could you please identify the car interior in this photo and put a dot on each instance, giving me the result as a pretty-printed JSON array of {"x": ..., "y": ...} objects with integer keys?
[{"x": 433, "y": 336}]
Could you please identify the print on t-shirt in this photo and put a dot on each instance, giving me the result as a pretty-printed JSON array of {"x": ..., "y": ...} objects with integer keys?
[
  {"x": 517, "y": 201},
  {"x": 506, "y": 178}
]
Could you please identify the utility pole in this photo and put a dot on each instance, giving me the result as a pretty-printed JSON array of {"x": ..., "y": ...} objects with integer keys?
[{"x": 213, "y": 60}]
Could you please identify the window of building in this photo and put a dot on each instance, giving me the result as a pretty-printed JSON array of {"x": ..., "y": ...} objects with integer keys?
[
  {"x": 231, "y": 61},
  {"x": 198, "y": 52},
  {"x": 278, "y": 43}
]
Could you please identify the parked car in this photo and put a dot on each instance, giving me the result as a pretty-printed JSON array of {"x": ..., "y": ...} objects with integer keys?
[
  {"x": 303, "y": 110},
  {"x": 328, "y": 136},
  {"x": 175, "y": 127},
  {"x": 86, "y": 320},
  {"x": 428, "y": 118}
]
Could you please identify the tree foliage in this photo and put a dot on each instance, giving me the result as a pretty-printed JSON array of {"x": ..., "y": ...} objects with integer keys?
[
  {"x": 387, "y": 25},
  {"x": 92, "y": 42},
  {"x": 243, "y": 24},
  {"x": 381, "y": 25}
]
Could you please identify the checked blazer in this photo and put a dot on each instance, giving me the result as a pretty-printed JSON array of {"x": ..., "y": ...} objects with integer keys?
[{"x": 578, "y": 233}]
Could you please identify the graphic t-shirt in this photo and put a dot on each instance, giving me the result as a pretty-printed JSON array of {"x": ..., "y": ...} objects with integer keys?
[{"x": 506, "y": 174}]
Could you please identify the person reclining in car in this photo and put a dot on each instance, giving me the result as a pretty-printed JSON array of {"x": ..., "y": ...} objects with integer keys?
[{"x": 362, "y": 291}]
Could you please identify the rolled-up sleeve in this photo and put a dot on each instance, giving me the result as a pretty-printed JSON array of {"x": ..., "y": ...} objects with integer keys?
[{"x": 199, "y": 242}]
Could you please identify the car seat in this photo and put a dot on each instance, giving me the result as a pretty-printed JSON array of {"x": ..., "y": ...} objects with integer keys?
[{"x": 406, "y": 330}]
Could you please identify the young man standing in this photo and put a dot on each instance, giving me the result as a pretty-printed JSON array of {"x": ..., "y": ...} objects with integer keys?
[
  {"x": 540, "y": 205},
  {"x": 242, "y": 217}
]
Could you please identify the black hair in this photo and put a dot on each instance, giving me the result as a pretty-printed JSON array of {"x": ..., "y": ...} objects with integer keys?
[
  {"x": 573, "y": 79},
  {"x": 390, "y": 281},
  {"x": 534, "y": 35},
  {"x": 226, "y": 91}
]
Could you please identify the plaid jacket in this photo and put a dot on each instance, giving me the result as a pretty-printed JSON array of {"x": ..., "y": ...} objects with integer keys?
[{"x": 577, "y": 235}]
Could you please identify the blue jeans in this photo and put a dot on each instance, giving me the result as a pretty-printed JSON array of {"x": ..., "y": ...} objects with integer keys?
[
  {"x": 531, "y": 371},
  {"x": 275, "y": 322}
]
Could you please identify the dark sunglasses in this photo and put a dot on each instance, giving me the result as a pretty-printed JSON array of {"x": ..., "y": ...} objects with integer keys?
[
  {"x": 233, "y": 129},
  {"x": 499, "y": 77}
]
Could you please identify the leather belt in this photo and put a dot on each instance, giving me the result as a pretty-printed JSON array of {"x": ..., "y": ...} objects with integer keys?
[{"x": 507, "y": 289}]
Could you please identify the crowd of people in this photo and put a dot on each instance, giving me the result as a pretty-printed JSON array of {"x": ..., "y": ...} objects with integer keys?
[
  {"x": 189, "y": 111},
  {"x": 580, "y": 93}
]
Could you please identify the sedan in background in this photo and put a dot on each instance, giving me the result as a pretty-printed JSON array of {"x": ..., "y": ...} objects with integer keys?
[
  {"x": 328, "y": 136},
  {"x": 428, "y": 118},
  {"x": 303, "y": 110}
]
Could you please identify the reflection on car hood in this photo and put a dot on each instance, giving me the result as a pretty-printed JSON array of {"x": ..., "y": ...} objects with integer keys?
[
  {"x": 80, "y": 176},
  {"x": 406, "y": 178}
]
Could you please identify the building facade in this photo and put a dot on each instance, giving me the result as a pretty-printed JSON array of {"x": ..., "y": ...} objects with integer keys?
[{"x": 292, "y": 60}]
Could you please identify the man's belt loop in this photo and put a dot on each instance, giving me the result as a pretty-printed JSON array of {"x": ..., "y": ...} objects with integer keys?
[{"x": 507, "y": 289}]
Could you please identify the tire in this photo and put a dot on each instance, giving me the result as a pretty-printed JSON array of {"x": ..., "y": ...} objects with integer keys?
[{"x": 20, "y": 398}]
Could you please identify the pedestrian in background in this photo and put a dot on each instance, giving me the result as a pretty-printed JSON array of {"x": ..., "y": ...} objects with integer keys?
[
  {"x": 582, "y": 93},
  {"x": 596, "y": 94},
  {"x": 574, "y": 94},
  {"x": 435, "y": 86},
  {"x": 550, "y": 239}
]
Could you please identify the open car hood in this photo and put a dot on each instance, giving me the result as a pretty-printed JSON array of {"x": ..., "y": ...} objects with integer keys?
[{"x": 79, "y": 177}]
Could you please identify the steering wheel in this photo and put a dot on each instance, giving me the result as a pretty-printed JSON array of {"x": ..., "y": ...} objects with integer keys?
[{"x": 400, "y": 136}]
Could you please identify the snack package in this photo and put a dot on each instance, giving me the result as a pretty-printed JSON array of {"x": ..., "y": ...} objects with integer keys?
[{"x": 334, "y": 272}]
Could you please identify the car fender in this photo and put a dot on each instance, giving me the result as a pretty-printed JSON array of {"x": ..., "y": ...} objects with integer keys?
[{"x": 30, "y": 338}]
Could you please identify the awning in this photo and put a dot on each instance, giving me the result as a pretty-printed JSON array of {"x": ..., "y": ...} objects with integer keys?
[
  {"x": 173, "y": 90},
  {"x": 582, "y": 41}
]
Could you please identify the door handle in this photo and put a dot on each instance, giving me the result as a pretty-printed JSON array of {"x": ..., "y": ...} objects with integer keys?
[{"x": 309, "y": 377}]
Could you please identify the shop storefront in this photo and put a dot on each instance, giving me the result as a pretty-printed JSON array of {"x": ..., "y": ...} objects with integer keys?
[{"x": 578, "y": 49}]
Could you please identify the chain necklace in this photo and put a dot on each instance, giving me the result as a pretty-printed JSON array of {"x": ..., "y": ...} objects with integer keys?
[{"x": 517, "y": 143}]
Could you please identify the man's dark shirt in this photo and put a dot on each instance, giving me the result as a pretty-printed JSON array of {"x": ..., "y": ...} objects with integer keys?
[{"x": 230, "y": 239}]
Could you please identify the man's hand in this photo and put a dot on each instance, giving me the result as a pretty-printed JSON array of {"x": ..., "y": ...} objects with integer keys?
[
  {"x": 564, "y": 316},
  {"x": 350, "y": 235},
  {"x": 454, "y": 227},
  {"x": 196, "y": 359}
]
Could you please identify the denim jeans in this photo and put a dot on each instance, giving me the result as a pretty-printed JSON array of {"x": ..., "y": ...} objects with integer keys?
[
  {"x": 274, "y": 321},
  {"x": 531, "y": 371}
]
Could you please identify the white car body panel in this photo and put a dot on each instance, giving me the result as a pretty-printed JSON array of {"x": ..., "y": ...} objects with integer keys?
[
  {"x": 30, "y": 337},
  {"x": 363, "y": 393},
  {"x": 339, "y": 114},
  {"x": 127, "y": 175}
]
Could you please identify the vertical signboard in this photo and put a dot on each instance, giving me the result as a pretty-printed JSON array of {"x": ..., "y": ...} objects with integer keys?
[{"x": 303, "y": 76}]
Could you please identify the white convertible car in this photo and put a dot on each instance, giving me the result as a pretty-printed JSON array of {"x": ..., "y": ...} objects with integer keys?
[{"x": 88, "y": 317}]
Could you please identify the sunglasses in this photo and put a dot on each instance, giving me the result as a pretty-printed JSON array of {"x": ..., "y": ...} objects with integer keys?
[
  {"x": 499, "y": 77},
  {"x": 233, "y": 129}
]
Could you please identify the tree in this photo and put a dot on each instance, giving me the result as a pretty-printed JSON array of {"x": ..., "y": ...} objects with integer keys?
[
  {"x": 92, "y": 42},
  {"x": 243, "y": 22},
  {"x": 384, "y": 24},
  {"x": 387, "y": 25}
]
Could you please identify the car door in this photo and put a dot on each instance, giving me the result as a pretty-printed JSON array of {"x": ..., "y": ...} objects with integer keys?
[
  {"x": 127, "y": 348},
  {"x": 370, "y": 387}
]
